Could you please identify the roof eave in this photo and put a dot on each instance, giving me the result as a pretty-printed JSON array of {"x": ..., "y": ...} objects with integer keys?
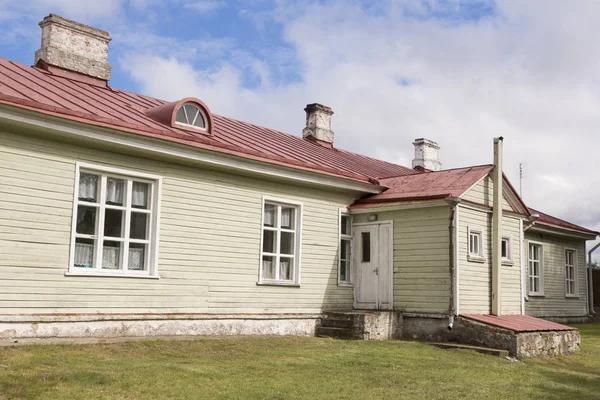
[
  {"x": 47, "y": 121},
  {"x": 559, "y": 230}
]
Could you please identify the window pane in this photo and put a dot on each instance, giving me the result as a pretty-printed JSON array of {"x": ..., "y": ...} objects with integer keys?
[
  {"x": 115, "y": 190},
  {"x": 111, "y": 255},
  {"x": 504, "y": 248},
  {"x": 200, "y": 121},
  {"x": 113, "y": 223},
  {"x": 366, "y": 246},
  {"x": 346, "y": 225},
  {"x": 88, "y": 187},
  {"x": 180, "y": 117},
  {"x": 139, "y": 224},
  {"x": 270, "y": 215},
  {"x": 84, "y": 253},
  {"x": 345, "y": 249},
  {"x": 191, "y": 111},
  {"x": 269, "y": 241},
  {"x": 286, "y": 266},
  {"x": 287, "y": 243},
  {"x": 137, "y": 257},
  {"x": 344, "y": 271},
  {"x": 86, "y": 220},
  {"x": 268, "y": 267},
  {"x": 287, "y": 218},
  {"x": 139, "y": 195}
]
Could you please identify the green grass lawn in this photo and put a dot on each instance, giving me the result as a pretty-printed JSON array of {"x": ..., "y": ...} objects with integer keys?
[{"x": 291, "y": 368}]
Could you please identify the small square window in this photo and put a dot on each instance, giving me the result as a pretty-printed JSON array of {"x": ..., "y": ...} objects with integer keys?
[
  {"x": 506, "y": 248},
  {"x": 475, "y": 242}
]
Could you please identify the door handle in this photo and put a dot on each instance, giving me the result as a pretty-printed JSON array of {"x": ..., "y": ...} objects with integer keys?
[{"x": 377, "y": 271}]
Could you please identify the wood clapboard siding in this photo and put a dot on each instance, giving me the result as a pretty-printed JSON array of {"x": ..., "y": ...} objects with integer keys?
[
  {"x": 554, "y": 303},
  {"x": 421, "y": 274},
  {"x": 483, "y": 193},
  {"x": 209, "y": 239},
  {"x": 475, "y": 280}
]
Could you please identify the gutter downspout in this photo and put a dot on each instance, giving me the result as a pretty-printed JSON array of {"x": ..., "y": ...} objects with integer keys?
[
  {"x": 590, "y": 283},
  {"x": 453, "y": 202},
  {"x": 497, "y": 228}
]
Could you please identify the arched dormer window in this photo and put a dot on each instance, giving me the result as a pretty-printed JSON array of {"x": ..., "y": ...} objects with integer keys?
[{"x": 191, "y": 115}]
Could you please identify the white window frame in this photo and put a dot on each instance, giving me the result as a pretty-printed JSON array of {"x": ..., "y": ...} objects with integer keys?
[
  {"x": 200, "y": 112},
  {"x": 298, "y": 242},
  {"x": 541, "y": 269},
  {"x": 343, "y": 212},
  {"x": 574, "y": 280},
  {"x": 153, "y": 229},
  {"x": 509, "y": 257},
  {"x": 478, "y": 256}
]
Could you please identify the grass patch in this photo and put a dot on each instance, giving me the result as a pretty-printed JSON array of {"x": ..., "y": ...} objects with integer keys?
[{"x": 291, "y": 368}]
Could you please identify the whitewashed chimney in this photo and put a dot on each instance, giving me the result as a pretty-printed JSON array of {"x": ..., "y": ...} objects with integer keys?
[
  {"x": 427, "y": 155},
  {"x": 318, "y": 123},
  {"x": 75, "y": 47}
]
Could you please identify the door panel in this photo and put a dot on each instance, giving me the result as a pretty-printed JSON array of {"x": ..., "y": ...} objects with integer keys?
[
  {"x": 372, "y": 262},
  {"x": 365, "y": 262}
]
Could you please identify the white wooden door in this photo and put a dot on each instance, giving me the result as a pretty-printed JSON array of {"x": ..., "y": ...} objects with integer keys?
[{"x": 372, "y": 260}]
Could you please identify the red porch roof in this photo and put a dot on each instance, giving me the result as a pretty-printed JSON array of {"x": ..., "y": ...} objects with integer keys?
[
  {"x": 553, "y": 222},
  {"x": 518, "y": 323}
]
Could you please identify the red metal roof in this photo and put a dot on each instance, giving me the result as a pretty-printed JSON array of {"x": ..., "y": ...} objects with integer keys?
[
  {"x": 553, "y": 222},
  {"x": 518, "y": 323},
  {"x": 428, "y": 185},
  {"x": 64, "y": 94}
]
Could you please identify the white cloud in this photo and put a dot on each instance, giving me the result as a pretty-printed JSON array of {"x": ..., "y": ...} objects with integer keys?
[{"x": 205, "y": 6}]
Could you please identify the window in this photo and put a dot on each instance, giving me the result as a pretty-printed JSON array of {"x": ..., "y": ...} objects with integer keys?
[
  {"x": 506, "y": 249},
  {"x": 365, "y": 239},
  {"x": 536, "y": 280},
  {"x": 280, "y": 246},
  {"x": 191, "y": 115},
  {"x": 115, "y": 223},
  {"x": 570, "y": 272},
  {"x": 475, "y": 243},
  {"x": 345, "y": 248}
]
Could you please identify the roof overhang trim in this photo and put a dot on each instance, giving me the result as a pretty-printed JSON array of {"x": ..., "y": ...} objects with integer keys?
[
  {"x": 25, "y": 117},
  {"x": 554, "y": 230}
]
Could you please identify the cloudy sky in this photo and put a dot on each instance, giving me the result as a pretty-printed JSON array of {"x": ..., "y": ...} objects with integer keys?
[{"x": 459, "y": 72}]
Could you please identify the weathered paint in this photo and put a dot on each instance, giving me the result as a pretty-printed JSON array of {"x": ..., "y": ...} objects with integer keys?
[
  {"x": 475, "y": 274},
  {"x": 555, "y": 303},
  {"x": 421, "y": 263},
  {"x": 209, "y": 239},
  {"x": 247, "y": 325}
]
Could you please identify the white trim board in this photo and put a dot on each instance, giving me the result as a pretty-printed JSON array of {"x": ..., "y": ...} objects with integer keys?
[{"x": 165, "y": 148}]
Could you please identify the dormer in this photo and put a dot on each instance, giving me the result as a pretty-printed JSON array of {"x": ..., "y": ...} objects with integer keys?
[{"x": 190, "y": 114}]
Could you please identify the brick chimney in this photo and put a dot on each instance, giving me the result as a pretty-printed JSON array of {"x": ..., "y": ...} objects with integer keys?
[
  {"x": 74, "y": 47},
  {"x": 427, "y": 155},
  {"x": 318, "y": 124}
]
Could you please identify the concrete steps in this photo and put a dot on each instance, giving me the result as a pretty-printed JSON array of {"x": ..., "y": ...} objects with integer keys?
[{"x": 336, "y": 325}]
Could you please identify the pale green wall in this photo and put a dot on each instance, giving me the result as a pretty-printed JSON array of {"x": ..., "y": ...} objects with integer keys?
[
  {"x": 482, "y": 193},
  {"x": 554, "y": 303},
  {"x": 421, "y": 254},
  {"x": 209, "y": 239},
  {"x": 475, "y": 276}
]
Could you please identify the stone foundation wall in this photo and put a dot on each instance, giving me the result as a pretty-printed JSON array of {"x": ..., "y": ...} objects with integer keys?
[
  {"x": 200, "y": 326},
  {"x": 553, "y": 343}
]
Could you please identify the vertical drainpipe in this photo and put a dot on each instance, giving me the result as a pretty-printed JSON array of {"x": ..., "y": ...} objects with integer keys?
[
  {"x": 497, "y": 228},
  {"x": 452, "y": 245}
]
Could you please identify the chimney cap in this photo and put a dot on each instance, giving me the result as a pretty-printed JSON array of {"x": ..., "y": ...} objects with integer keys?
[
  {"x": 318, "y": 107},
  {"x": 428, "y": 142},
  {"x": 74, "y": 25}
]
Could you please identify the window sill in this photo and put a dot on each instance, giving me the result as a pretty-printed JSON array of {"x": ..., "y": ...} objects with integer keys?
[
  {"x": 346, "y": 284},
  {"x": 476, "y": 259},
  {"x": 536, "y": 295},
  {"x": 510, "y": 263},
  {"x": 110, "y": 275},
  {"x": 571, "y": 296},
  {"x": 287, "y": 284}
]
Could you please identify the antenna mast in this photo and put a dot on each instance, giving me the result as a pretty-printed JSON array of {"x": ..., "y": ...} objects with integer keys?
[{"x": 521, "y": 180}]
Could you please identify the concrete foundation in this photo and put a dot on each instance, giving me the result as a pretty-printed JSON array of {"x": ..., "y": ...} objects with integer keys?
[{"x": 150, "y": 326}]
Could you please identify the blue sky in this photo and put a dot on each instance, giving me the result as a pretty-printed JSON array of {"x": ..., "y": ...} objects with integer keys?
[{"x": 459, "y": 72}]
